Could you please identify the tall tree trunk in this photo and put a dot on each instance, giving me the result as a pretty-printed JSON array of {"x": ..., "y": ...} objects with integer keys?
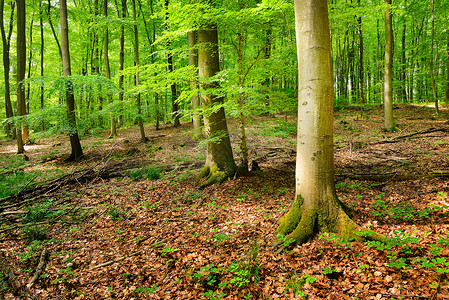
[
  {"x": 122, "y": 15},
  {"x": 21, "y": 68},
  {"x": 6, "y": 42},
  {"x": 153, "y": 53},
  {"x": 143, "y": 138},
  {"x": 403, "y": 77},
  {"x": 41, "y": 23},
  {"x": 316, "y": 207},
  {"x": 25, "y": 130},
  {"x": 243, "y": 168},
  {"x": 174, "y": 96},
  {"x": 76, "y": 150},
  {"x": 447, "y": 67},
  {"x": 219, "y": 159},
  {"x": 113, "y": 128},
  {"x": 96, "y": 61},
  {"x": 191, "y": 36},
  {"x": 388, "y": 75},
  {"x": 361, "y": 69},
  {"x": 53, "y": 29},
  {"x": 432, "y": 77}
]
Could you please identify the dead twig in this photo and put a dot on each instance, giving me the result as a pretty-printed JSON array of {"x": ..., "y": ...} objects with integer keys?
[
  {"x": 39, "y": 269},
  {"x": 116, "y": 260}
]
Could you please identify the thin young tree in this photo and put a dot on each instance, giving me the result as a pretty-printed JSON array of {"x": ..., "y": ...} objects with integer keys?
[
  {"x": 113, "y": 128},
  {"x": 388, "y": 73},
  {"x": 21, "y": 68},
  {"x": 76, "y": 150},
  {"x": 143, "y": 138},
  {"x": 6, "y": 46},
  {"x": 316, "y": 207},
  {"x": 196, "y": 117},
  {"x": 219, "y": 159}
]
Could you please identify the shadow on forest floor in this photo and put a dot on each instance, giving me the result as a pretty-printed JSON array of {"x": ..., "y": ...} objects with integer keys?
[{"x": 128, "y": 221}]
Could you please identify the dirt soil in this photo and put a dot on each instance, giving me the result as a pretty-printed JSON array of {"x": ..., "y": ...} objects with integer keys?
[{"x": 168, "y": 239}]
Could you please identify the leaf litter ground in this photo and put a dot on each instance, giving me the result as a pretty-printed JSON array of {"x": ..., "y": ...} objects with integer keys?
[{"x": 166, "y": 239}]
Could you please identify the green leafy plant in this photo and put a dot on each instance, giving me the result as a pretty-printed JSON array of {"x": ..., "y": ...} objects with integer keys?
[
  {"x": 145, "y": 290},
  {"x": 35, "y": 232},
  {"x": 295, "y": 283},
  {"x": 150, "y": 173},
  {"x": 116, "y": 212}
]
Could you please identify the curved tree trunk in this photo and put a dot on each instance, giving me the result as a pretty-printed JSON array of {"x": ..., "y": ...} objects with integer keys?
[
  {"x": 75, "y": 144},
  {"x": 388, "y": 75},
  {"x": 21, "y": 67},
  {"x": 122, "y": 15},
  {"x": 316, "y": 207},
  {"x": 219, "y": 159}
]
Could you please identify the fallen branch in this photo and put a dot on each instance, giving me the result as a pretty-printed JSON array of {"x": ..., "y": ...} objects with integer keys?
[
  {"x": 39, "y": 269},
  {"x": 401, "y": 137},
  {"x": 116, "y": 260}
]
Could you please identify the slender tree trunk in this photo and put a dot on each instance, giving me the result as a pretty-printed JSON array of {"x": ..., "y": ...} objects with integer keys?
[
  {"x": 153, "y": 51},
  {"x": 113, "y": 128},
  {"x": 316, "y": 207},
  {"x": 174, "y": 96},
  {"x": 21, "y": 68},
  {"x": 403, "y": 87},
  {"x": 432, "y": 76},
  {"x": 41, "y": 23},
  {"x": 53, "y": 29},
  {"x": 191, "y": 36},
  {"x": 143, "y": 138},
  {"x": 122, "y": 59},
  {"x": 219, "y": 159},
  {"x": 25, "y": 129},
  {"x": 6, "y": 42},
  {"x": 361, "y": 69},
  {"x": 447, "y": 67},
  {"x": 388, "y": 75},
  {"x": 243, "y": 168},
  {"x": 77, "y": 151}
]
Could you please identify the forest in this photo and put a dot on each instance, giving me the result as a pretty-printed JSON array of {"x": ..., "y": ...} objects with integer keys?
[{"x": 208, "y": 149}]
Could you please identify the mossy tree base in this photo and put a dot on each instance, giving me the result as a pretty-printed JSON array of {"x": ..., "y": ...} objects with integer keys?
[
  {"x": 213, "y": 175},
  {"x": 302, "y": 223}
]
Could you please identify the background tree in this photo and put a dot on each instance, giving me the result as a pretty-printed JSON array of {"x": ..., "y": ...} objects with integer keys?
[
  {"x": 21, "y": 68},
  {"x": 388, "y": 74},
  {"x": 76, "y": 150},
  {"x": 219, "y": 159}
]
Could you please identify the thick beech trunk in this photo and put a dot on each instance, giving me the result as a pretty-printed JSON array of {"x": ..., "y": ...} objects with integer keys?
[
  {"x": 388, "y": 75},
  {"x": 432, "y": 77},
  {"x": 219, "y": 159},
  {"x": 75, "y": 144},
  {"x": 316, "y": 207}
]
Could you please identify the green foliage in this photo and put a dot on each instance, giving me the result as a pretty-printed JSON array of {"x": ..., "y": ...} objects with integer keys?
[
  {"x": 35, "y": 232},
  {"x": 145, "y": 290},
  {"x": 116, "y": 212},
  {"x": 151, "y": 173},
  {"x": 295, "y": 283}
]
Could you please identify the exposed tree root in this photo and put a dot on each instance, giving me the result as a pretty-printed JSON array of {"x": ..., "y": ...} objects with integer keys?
[
  {"x": 213, "y": 175},
  {"x": 301, "y": 224}
]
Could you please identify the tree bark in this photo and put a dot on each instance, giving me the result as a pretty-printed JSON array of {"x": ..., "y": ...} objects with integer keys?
[
  {"x": 432, "y": 78},
  {"x": 21, "y": 68},
  {"x": 143, "y": 138},
  {"x": 316, "y": 207},
  {"x": 6, "y": 42},
  {"x": 196, "y": 116},
  {"x": 122, "y": 15},
  {"x": 220, "y": 163},
  {"x": 175, "y": 107},
  {"x": 388, "y": 75},
  {"x": 41, "y": 23},
  {"x": 113, "y": 128},
  {"x": 76, "y": 150},
  {"x": 447, "y": 67}
]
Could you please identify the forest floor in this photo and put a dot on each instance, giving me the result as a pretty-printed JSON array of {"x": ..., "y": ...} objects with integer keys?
[{"x": 108, "y": 228}]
